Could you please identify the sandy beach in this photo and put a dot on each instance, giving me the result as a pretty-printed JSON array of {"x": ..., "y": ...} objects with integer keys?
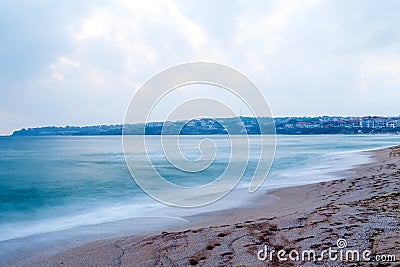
[{"x": 363, "y": 210}]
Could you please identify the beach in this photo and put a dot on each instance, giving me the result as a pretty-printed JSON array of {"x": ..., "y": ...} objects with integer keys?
[{"x": 362, "y": 209}]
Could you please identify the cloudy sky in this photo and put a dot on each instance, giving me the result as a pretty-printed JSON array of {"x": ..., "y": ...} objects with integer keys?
[{"x": 80, "y": 62}]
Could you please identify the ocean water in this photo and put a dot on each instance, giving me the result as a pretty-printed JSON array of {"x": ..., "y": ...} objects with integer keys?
[{"x": 55, "y": 183}]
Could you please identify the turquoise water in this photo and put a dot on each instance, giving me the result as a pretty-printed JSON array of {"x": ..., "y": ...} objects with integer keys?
[{"x": 55, "y": 183}]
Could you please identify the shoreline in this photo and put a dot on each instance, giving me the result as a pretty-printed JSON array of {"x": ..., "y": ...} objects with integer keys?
[{"x": 256, "y": 225}]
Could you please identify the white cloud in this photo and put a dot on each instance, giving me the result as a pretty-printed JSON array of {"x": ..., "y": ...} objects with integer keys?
[
  {"x": 193, "y": 32},
  {"x": 269, "y": 29},
  {"x": 61, "y": 67},
  {"x": 308, "y": 57},
  {"x": 380, "y": 72},
  {"x": 98, "y": 25}
]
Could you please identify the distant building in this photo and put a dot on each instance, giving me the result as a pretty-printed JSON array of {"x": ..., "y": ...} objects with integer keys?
[{"x": 391, "y": 124}]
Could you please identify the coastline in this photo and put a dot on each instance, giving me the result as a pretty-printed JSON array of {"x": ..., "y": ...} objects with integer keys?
[{"x": 302, "y": 217}]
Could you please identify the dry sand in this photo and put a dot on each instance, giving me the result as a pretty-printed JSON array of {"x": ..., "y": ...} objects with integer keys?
[{"x": 363, "y": 209}]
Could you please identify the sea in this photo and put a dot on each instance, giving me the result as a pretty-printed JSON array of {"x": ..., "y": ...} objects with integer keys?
[{"x": 50, "y": 184}]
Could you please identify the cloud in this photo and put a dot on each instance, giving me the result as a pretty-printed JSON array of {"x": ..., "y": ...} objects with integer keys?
[
  {"x": 379, "y": 79},
  {"x": 62, "y": 66},
  {"x": 59, "y": 60},
  {"x": 32, "y": 34}
]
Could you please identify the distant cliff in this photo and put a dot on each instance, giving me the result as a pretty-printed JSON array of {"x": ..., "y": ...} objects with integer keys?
[
  {"x": 238, "y": 125},
  {"x": 71, "y": 130}
]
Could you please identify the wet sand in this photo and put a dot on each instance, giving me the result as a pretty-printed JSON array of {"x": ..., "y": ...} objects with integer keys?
[{"x": 362, "y": 209}]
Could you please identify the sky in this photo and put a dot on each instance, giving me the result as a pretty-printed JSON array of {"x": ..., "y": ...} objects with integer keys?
[{"x": 81, "y": 62}]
